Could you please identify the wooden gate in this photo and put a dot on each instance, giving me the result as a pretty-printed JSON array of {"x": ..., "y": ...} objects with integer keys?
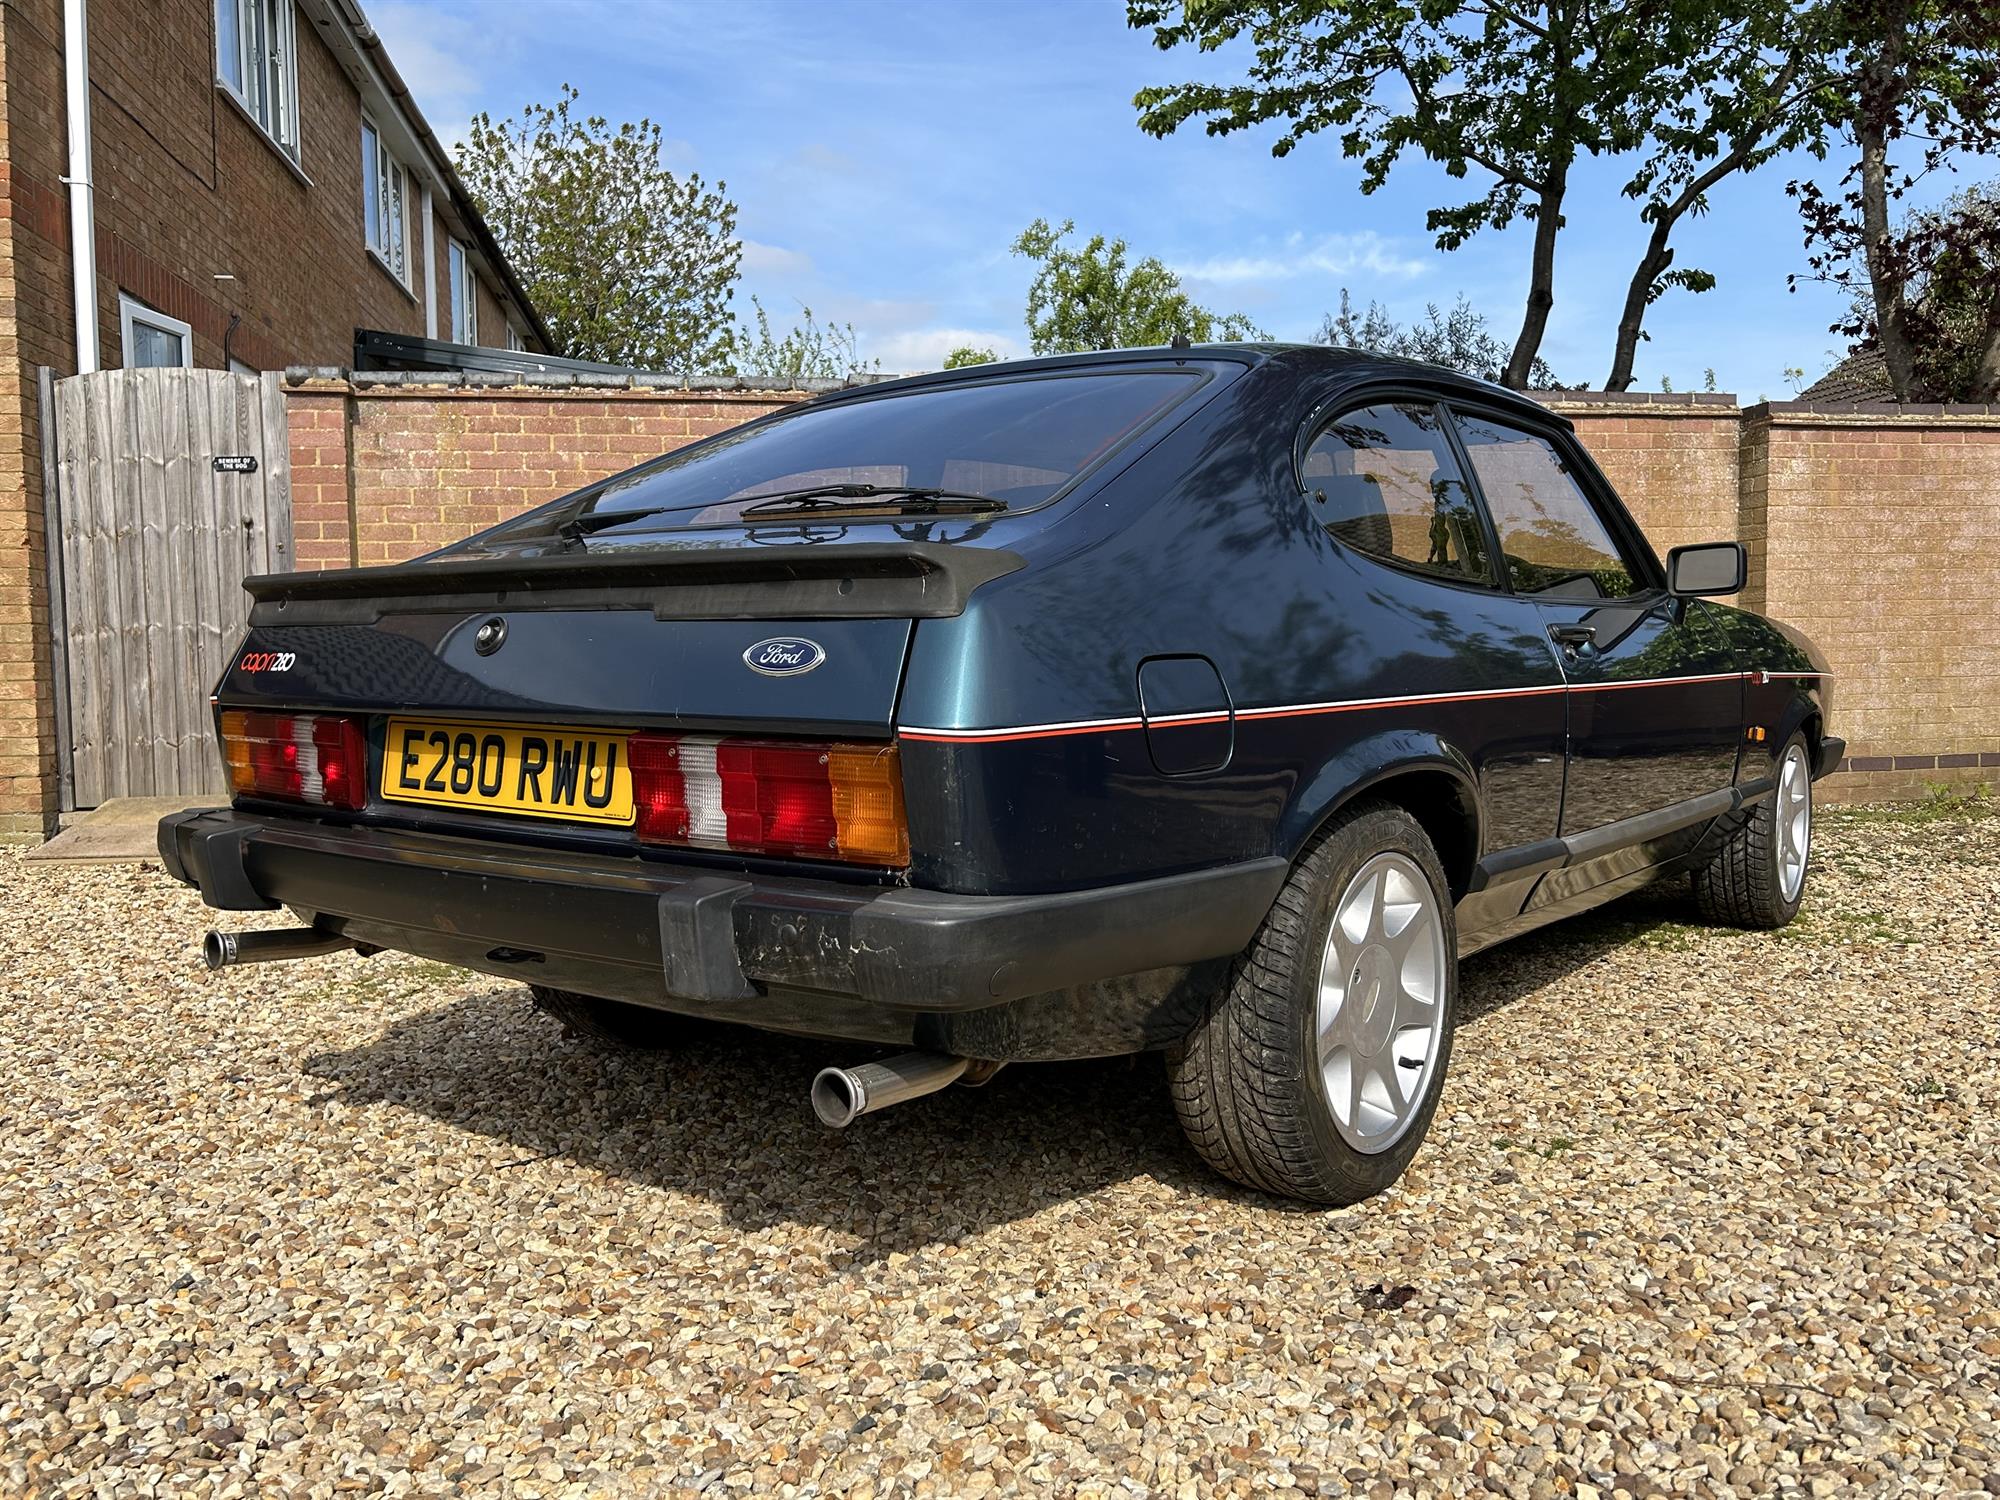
[{"x": 169, "y": 487}]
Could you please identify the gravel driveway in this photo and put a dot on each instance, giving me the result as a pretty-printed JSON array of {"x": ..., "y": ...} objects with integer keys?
[{"x": 1702, "y": 1212}]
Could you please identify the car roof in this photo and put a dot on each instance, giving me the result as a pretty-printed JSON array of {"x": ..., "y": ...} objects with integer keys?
[{"x": 1337, "y": 367}]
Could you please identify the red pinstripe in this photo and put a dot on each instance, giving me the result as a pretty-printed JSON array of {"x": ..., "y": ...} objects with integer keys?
[{"x": 1311, "y": 710}]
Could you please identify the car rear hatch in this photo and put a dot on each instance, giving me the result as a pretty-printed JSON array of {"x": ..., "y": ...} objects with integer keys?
[
  {"x": 707, "y": 696},
  {"x": 639, "y": 637}
]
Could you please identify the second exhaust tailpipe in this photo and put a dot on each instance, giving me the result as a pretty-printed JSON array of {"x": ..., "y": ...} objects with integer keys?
[
  {"x": 840, "y": 1096},
  {"x": 223, "y": 950}
]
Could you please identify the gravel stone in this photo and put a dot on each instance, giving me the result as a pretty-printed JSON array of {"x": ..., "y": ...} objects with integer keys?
[{"x": 1702, "y": 1213}]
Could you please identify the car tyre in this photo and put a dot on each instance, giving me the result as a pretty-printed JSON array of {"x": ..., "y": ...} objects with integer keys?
[
  {"x": 1316, "y": 1071},
  {"x": 1758, "y": 877},
  {"x": 613, "y": 1023}
]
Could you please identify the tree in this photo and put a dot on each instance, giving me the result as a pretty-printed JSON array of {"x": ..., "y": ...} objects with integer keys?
[
  {"x": 1458, "y": 339},
  {"x": 1090, "y": 299},
  {"x": 811, "y": 350},
  {"x": 1955, "y": 318},
  {"x": 1517, "y": 93},
  {"x": 1952, "y": 300},
  {"x": 1920, "y": 77},
  {"x": 627, "y": 262},
  {"x": 966, "y": 355},
  {"x": 1751, "y": 95}
]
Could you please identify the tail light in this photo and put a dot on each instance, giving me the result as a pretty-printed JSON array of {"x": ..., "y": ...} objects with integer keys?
[
  {"x": 316, "y": 758},
  {"x": 815, "y": 801}
]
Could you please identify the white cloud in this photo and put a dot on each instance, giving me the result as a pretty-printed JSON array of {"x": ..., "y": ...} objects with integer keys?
[
  {"x": 439, "y": 57},
  {"x": 1327, "y": 255},
  {"x": 774, "y": 260},
  {"x": 926, "y": 348}
]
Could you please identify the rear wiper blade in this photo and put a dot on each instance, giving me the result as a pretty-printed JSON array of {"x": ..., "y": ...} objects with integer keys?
[
  {"x": 818, "y": 497},
  {"x": 576, "y": 528},
  {"x": 903, "y": 498}
]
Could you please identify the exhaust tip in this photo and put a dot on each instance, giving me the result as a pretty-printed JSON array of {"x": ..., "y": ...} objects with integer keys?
[
  {"x": 218, "y": 949},
  {"x": 837, "y": 1098}
]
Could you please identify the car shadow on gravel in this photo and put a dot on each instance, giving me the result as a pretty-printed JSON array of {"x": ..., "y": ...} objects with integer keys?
[{"x": 723, "y": 1114}]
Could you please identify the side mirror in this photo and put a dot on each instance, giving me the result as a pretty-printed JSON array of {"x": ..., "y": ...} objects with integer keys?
[{"x": 1707, "y": 568}]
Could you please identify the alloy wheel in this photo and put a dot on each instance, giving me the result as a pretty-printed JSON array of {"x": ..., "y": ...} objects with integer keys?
[
  {"x": 1793, "y": 816},
  {"x": 1381, "y": 1001}
]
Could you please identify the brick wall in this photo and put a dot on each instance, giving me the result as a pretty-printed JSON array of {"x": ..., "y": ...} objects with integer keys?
[
  {"x": 27, "y": 728},
  {"x": 187, "y": 187},
  {"x": 1882, "y": 543},
  {"x": 1673, "y": 459},
  {"x": 381, "y": 473}
]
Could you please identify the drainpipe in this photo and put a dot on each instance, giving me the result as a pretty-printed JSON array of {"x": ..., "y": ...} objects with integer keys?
[
  {"x": 424, "y": 268},
  {"x": 82, "y": 215}
]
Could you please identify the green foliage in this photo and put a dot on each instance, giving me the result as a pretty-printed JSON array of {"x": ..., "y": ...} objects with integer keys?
[
  {"x": 1511, "y": 97},
  {"x": 626, "y": 262},
  {"x": 965, "y": 355},
  {"x": 1913, "y": 88},
  {"x": 1458, "y": 339},
  {"x": 1951, "y": 295},
  {"x": 1746, "y": 76},
  {"x": 810, "y": 350},
  {"x": 1091, "y": 299},
  {"x": 1515, "y": 94}
]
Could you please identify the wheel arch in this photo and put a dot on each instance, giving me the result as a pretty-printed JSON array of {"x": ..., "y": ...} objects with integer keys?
[
  {"x": 1803, "y": 715},
  {"x": 1430, "y": 779}
]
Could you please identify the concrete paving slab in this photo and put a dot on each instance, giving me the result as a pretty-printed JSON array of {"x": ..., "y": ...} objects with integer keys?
[{"x": 125, "y": 828}]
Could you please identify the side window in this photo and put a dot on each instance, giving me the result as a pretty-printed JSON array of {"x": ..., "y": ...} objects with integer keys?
[
  {"x": 1552, "y": 540},
  {"x": 1384, "y": 480}
]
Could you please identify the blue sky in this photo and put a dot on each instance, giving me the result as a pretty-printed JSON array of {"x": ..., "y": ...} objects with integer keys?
[{"x": 884, "y": 155}]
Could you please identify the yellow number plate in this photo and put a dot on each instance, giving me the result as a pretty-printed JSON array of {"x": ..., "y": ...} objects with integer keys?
[{"x": 540, "y": 771}]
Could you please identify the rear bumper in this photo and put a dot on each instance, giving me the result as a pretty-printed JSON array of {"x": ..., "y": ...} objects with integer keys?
[{"x": 792, "y": 954}]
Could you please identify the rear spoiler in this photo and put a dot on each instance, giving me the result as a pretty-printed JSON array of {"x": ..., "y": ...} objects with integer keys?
[{"x": 835, "y": 581}]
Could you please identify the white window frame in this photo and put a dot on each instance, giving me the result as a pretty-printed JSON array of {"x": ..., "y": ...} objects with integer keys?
[
  {"x": 265, "y": 81},
  {"x": 515, "y": 342},
  {"x": 132, "y": 311},
  {"x": 387, "y": 231},
  {"x": 464, "y": 299}
]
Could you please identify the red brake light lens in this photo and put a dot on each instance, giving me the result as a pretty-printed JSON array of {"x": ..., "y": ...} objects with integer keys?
[
  {"x": 808, "y": 800},
  {"x": 321, "y": 759}
]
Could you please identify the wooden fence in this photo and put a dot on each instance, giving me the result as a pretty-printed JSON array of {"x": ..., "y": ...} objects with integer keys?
[{"x": 169, "y": 487}]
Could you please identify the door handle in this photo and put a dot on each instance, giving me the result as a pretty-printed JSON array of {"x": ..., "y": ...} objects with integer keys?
[{"x": 1573, "y": 638}]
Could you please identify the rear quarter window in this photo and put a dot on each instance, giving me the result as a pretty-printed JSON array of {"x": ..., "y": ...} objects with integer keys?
[{"x": 1384, "y": 480}]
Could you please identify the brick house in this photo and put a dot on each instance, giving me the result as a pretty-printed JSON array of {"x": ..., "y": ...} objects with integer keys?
[{"x": 260, "y": 188}]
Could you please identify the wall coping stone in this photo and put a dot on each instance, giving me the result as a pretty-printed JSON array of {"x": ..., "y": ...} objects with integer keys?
[
  {"x": 1665, "y": 402},
  {"x": 1873, "y": 414},
  {"x": 565, "y": 380}
]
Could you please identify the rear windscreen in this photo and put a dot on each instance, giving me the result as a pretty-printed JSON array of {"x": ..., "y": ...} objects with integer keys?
[{"x": 1019, "y": 441}]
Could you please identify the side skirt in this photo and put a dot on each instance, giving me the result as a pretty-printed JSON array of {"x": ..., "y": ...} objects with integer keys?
[{"x": 1517, "y": 890}]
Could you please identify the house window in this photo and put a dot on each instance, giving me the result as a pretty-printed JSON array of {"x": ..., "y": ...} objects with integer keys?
[
  {"x": 464, "y": 319},
  {"x": 383, "y": 192},
  {"x": 255, "y": 60},
  {"x": 514, "y": 340},
  {"x": 152, "y": 340}
]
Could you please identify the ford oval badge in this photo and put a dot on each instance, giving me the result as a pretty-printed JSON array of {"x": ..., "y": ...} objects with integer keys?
[{"x": 784, "y": 656}]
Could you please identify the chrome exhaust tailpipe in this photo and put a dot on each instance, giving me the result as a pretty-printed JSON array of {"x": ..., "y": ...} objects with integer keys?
[
  {"x": 225, "y": 950},
  {"x": 840, "y": 1096}
]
